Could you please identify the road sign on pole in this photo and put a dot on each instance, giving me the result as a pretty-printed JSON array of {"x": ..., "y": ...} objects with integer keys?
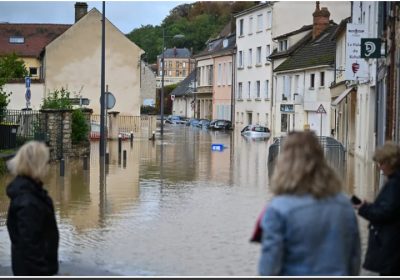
[{"x": 321, "y": 109}]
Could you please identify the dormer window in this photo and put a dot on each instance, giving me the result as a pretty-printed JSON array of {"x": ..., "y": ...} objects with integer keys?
[
  {"x": 16, "y": 40},
  {"x": 283, "y": 45},
  {"x": 225, "y": 43}
]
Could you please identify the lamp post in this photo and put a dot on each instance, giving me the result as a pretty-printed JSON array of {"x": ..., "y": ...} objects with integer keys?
[{"x": 179, "y": 36}]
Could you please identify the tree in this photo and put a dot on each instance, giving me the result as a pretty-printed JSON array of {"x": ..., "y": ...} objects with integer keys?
[{"x": 11, "y": 67}]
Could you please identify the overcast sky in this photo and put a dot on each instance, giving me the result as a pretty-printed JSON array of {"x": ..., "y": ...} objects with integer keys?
[{"x": 126, "y": 15}]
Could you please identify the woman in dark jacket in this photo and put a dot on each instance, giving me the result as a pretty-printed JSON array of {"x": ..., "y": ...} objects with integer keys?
[
  {"x": 383, "y": 252},
  {"x": 31, "y": 219}
]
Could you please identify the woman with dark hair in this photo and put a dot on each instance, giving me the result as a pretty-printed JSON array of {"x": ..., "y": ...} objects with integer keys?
[
  {"x": 309, "y": 227},
  {"x": 31, "y": 221},
  {"x": 383, "y": 252}
]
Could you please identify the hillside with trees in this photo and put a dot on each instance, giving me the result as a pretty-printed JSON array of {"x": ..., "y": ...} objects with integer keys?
[{"x": 198, "y": 21}]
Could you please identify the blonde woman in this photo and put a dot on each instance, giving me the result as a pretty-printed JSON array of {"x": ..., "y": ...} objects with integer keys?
[
  {"x": 31, "y": 219},
  {"x": 383, "y": 253},
  {"x": 309, "y": 227}
]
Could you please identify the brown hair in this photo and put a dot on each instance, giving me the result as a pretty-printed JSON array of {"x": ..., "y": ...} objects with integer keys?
[
  {"x": 301, "y": 168},
  {"x": 389, "y": 153}
]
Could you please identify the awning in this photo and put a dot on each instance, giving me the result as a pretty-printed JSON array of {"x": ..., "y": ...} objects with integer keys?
[{"x": 342, "y": 96}]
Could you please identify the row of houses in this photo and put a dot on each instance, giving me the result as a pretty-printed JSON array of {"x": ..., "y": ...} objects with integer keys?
[{"x": 332, "y": 67}]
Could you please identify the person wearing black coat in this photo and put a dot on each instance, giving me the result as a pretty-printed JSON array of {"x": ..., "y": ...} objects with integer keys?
[
  {"x": 31, "y": 221},
  {"x": 383, "y": 252}
]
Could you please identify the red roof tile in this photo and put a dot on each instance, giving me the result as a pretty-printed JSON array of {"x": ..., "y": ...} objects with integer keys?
[{"x": 36, "y": 37}]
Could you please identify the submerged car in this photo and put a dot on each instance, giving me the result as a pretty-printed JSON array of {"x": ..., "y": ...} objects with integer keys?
[
  {"x": 192, "y": 122},
  {"x": 220, "y": 125},
  {"x": 203, "y": 123},
  {"x": 256, "y": 131}
]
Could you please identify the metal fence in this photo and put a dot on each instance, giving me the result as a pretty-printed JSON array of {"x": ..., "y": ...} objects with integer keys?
[
  {"x": 17, "y": 127},
  {"x": 335, "y": 154}
]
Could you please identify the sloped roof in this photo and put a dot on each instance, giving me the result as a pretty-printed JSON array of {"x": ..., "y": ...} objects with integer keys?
[
  {"x": 302, "y": 29},
  {"x": 184, "y": 87},
  {"x": 36, "y": 37},
  {"x": 177, "y": 53},
  {"x": 320, "y": 51},
  {"x": 217, "y": 45}
]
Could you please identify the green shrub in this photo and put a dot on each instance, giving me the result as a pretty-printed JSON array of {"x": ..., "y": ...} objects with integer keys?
[
  {"x": 80, "y": 128},
  {"x": 58, "y": 99}
]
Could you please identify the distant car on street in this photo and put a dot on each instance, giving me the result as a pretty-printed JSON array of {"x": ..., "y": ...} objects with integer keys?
[
  {"x": 256, "y": 131},
  {"x": 192, "y": 122},
  {"x": 220, "y": 125},
  {"x": 175, "y": 120},
  {"x": 203, "y": 123}
]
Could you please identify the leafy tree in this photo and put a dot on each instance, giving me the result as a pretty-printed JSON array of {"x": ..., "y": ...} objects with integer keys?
[
  {"x": 198, "y": 21},
  {"x": 11, "y": 67},
  {"x": 79, "y": 127}
]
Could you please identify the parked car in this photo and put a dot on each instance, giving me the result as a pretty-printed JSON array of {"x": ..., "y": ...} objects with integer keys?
[
  {"x": 175, "y": 120},
  {"x": 256, "y": 131},
  {"x": 220, "y": 125},
  {"x": 192, "y": 122},
  {"x": 95, "y": 132},
  {"x": 203, "y": 123}
]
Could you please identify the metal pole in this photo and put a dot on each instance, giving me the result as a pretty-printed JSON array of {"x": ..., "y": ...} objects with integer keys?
[
  {"x": 162, "y": 87},
  {"x": 102, "y": 107},
  {"x": 195, "y": 89}
]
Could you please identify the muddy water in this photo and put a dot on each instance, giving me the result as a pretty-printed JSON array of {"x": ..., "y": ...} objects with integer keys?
[{"x": 175, "y": 207}]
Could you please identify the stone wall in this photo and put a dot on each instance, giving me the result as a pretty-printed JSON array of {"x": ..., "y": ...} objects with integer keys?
[{"x": 56, "y": 125}]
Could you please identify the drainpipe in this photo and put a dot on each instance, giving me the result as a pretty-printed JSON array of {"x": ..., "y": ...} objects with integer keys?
[{"x": 233, "y": 86}]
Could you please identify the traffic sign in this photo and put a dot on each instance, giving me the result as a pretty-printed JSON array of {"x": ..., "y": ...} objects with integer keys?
[
  {"x": 321, "y": 109},
  {"x": 109, "y": 100},
  {"x": 172, "y": 97},
  {"x": 27, "y": 82}
]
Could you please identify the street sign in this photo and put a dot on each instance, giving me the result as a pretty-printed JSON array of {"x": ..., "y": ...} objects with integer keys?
[
  {"x": 28, "y": 95},
  {"x": 217, "y": 147},
  {"x": 371, "y": 47},
  {"x": 321, "y": 109},
  {"x": 109, "y": 100},
  {"x": 287, "y": 108},
  {"x": 27, "y": 82},
  {"x": 172, "y": 97}
]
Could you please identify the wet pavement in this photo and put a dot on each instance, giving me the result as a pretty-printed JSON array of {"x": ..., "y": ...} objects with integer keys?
[{"x": 173, "y": 208}]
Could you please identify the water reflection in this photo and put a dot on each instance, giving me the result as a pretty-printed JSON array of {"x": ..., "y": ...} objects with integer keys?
[{"x": 175, "y": 208}]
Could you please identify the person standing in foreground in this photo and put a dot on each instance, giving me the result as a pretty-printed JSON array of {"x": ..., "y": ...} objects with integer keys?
[
  {"x": 31, "y": 221},
  {"x": 383, "y": 252},
  {"x": 309, "y": 227}
]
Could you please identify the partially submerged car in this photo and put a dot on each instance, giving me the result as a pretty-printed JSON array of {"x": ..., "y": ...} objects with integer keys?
[
  {"x": 256, "y": 131},
  {"x": 220, "y": 125}
]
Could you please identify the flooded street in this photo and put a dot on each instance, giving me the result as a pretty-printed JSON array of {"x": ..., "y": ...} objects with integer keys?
[{"x": 174, "y": 208}]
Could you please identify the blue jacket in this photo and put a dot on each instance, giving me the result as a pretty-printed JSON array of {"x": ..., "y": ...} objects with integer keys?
[{"x": 307, "y": 236}]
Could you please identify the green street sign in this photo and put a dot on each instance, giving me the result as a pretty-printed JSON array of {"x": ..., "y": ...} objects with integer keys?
[{"x": 371, "y": 47}]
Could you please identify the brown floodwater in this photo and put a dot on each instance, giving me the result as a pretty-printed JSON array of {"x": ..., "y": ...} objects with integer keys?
[{"x": 174, "y": 208}]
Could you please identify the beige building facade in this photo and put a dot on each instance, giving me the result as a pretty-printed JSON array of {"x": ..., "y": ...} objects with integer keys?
[{"x": 73, "y": 61}]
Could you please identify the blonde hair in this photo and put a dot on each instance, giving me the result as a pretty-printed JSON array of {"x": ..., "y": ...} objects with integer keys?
[
  {"x": 31, "y": 161},
  {"x": 301, "y": 168},
  {"x": 389, "y": 153}
]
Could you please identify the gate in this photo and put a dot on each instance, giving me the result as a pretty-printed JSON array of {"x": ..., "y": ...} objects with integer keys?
[{"x": 334, "y": 151}]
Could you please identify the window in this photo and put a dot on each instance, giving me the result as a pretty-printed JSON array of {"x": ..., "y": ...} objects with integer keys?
[
  {"x": 312, "y": 80},
  {"x": 219, "y": 74},
  {"x": 296, "y": 84},
  {"x": 267, "y": 51},
  {"x": 177, "y": 73},
  {"x": 250, "y": 58},
  {"x": 322, "y": 79},
  {"x": 266, "y": 89},
  {"x": 240, "y": 90},
  {"x": 184, "y": 64},
  {"x": 249, "y": 89},
  {"x": 169, "y": 73},
  {"x": 184, "y": 73},
  {"x": 229, "y": 74},
  {"x": 251, "y": 25},
  {"x": 170, "y": 64},
  {"x": 287, "y": 80},
  {"x": 259, "y": 22},
  {"x": 258, "y": 56},
  {"x": 16, "y": 40},
  {"x": 240, "y": 61},
  {"x": 284, "y": 122},
  {"x": 241, "y": 27},
  {"x": 177, "y": 64},
  {"x": 223, "y": 74},
  {"x": 269, "y": 19},
  {"x": 266, "y": 120},
  {"x": 33, "y": 71},
  {"x": 283, "y": 45},
  {"x": 258, "y": 89}
]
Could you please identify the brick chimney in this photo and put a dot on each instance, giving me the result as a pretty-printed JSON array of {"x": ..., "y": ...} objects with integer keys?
[
  {"x": 175, "y": 51},
  {"x": 321, "y": 20},
  {"x": 80, "y": 10}
]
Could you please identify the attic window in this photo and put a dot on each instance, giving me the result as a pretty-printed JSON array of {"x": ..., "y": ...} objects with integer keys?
[
  {"x": 225, "y": 43},
  {"x": 283, "y": 45},
  {"x": 16, "y": 40}
]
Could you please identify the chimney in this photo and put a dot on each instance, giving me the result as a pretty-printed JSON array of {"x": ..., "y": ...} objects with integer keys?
[
  {"x": 80, "y": 10},
  {"x": 321, "y": 20},
  {"x": 175, "y": 51}
]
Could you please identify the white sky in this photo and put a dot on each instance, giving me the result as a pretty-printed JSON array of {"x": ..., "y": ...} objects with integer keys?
[{"x": 125, "y": 15}]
